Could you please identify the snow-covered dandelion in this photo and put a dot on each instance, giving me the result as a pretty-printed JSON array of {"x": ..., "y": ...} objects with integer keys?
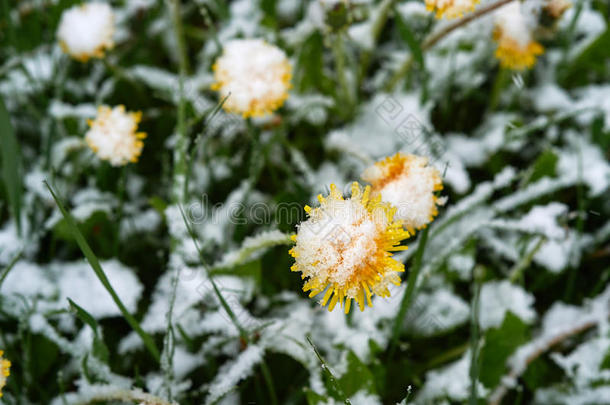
[
  {"x": 5, "y": 371},
  {"x": 113, "y": 135},
  {"x": 451, "y": 8},
  {"x": 85, "y": 31},
  {"x": 254, "y": 74},
  {"x": 409, "y": 184},
  {"x": 345, "y": 248},
  {"x": 513, "y": 32}
]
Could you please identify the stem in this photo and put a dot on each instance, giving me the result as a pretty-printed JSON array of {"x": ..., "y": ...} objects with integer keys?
[
  {"x": 329, "y": 373},
  {"x": 181, "y": 149},
  {"x": 382, "y": 17},
  {"x": 339, "y": 55},
  {"x": 121, "y": 192},
  {"x": 409, "y": 294},
  {"x": 499, "y": 85},
  {"x": 518, "y": 269},
  {"x": 10, "y": 266},
  {"x": 579, "y": 227},
  {"x": 435, "y": 37},
  {"x": 474, "y": 340},
  {"x": 269, "y": 383}
]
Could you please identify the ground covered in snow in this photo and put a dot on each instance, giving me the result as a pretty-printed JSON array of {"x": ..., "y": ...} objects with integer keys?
[{"x": 186, "y": 295}]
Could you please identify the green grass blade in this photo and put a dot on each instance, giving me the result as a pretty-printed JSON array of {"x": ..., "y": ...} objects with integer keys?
[
  {"x": 11, "y": 164},
  {"x": 101, "y": 275},
  {"x": 409, "y": 294},
  {"x": 243, "y": 333},
  {"x": 329, "y": 373},
  {"x": 407, "y": 35},
  {"x": 100, "y": 350},
  {"x": 474, "y": 339},
  {"x": 9, "y": 267}
]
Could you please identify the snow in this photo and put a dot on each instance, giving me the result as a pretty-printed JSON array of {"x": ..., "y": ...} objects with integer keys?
[
  {"x": 581, "y": 159},
  {"x": 58, "y": 281},
  {"x": 452, "y": 381},
  {"x": 500, "y": 297},
  {"x": 233, "y": 372}
]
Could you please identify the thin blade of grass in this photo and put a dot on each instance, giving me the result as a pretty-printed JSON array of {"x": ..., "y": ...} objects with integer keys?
[
  {"x": 329, "y": 373},
  {"x": 474, "y": 339},
  {"x": 101, "y": 275},
  {"x": 242, "y": 332},
  {"x": 409, "y": 294},
  {"x": 199, "y": 138},
  {"x": 11, "y": 164},
  {"x": 9, "y": 267},
  {"x": 407, "y": 35}
]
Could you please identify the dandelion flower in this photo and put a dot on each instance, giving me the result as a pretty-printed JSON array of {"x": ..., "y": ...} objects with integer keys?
[
  {"x": 86, "y": 31},
  {"x": 345, "y": 248},
  {"x": 451, "y": 8},
  {"x": 113, "y": 137},
  {"x": 513, "y": 32},
  {"x": 255, "y": 76},
  {"x": 5, "y": 366},
  {"x": 408, "y": 183}
]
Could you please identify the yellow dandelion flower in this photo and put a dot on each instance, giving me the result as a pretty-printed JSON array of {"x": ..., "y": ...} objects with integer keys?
[
  {"x": 255, "y": 75},
  {"x": 5, "y": 371},
  {"x": 345, "y": 248},
  {"x": 450, "y": 9},
  {"x": 516, "y": 47},
  {"x": 113, "y": 135},
  {"x": 86, "y": 31},
  {"x": 408, "y": 183}
]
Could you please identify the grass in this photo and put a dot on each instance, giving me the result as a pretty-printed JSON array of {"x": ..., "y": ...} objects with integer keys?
[{"x": 329, "y": 130}]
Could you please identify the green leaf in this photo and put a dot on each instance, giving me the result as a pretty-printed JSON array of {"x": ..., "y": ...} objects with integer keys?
[
  {"x": 407, "y": 35},
  {"x": 314, "y": 398},
  {"x": 9, "y": 267},
  {"x": 11, "y": 164},
  {"x": 309, "y": 69},
  {"x": 158, "y": 204},
  {"x": 44, "y": 354},
  {"x": 500, "y": 343},
  {"x": 99, "y": 347},
  {"x": 101, "y": 275},
  {"x": 591, "y": 61},
  {"x": 544, "y": 166},
  {"x": 357, "y": 377}
]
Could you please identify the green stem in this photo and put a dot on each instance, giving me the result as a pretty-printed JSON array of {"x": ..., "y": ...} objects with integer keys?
[
  {"x": 331, "y": 376},
  {"x": 518, "y": 269},
  {"x": 474, "y": 338},
  {"x": 9, "y": 267},
  {"x": 181, "y": 149},
  {"x": 269, "y": 383},
  {"x": 580, "y": 222},
  {"x": 345, "y": 97},
  {"x": 499, "y": 85},
  {"x": 121, "y": 193},
  {"x": 382, "y": 17},
  {"x": 407, "y": 299}
]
